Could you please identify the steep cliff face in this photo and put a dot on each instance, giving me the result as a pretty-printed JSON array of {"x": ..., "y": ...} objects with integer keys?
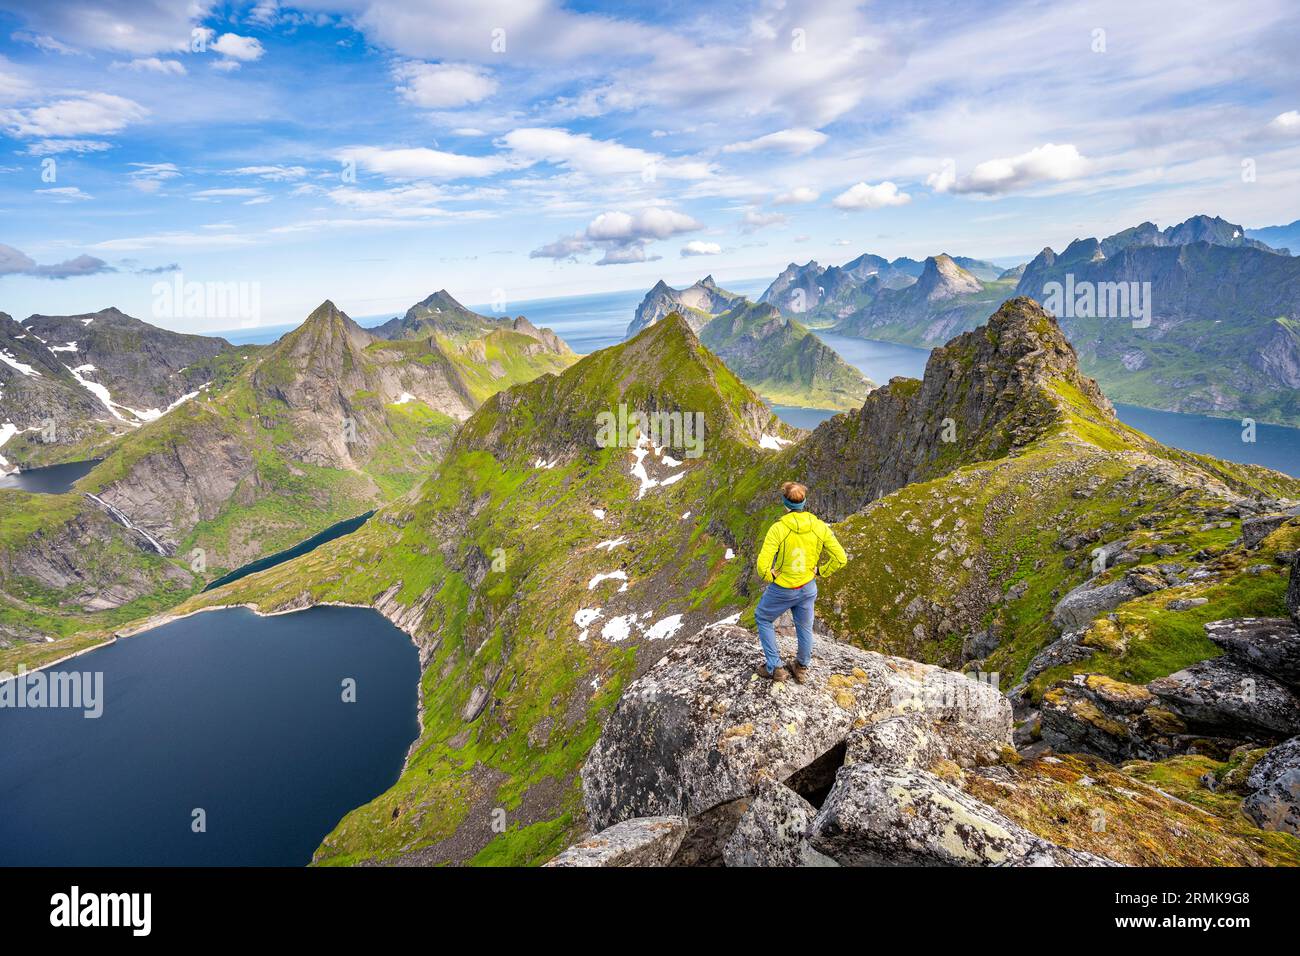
[
  {"x": 697, "y": 304},
  {"x": 782, "y": 361}
]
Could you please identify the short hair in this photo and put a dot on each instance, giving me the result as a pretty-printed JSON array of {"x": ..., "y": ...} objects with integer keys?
[{"x": 794, "y": 491}]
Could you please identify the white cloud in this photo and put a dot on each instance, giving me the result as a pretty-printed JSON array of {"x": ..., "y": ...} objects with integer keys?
[
  {"x": 1047, "y": 163},
  {"x": 443, "y": 85},
  {"x": 583, "y": 153},
  {"x": 152, "y": 64},
  {"x": 863, "y": 196},
  {"x": 149, "y": 177},
  {"x": 1287, "y": 124},
  {"x": 754, "y": 220},
  {"x": 622, "y": 235},
  {"x": 235, "y": 47},
  {"x": 800, "y": 194},
  {"x": 698, "y": 248},
  {"x": 64, "y": 194},
  {"x": 623, "y": 255},
  {"x": 88, "y": 113},
  {"x": 275, "y": 174},
  {"x": 794, "y": 141},
  {"x": 125, "y": 26},
  {"x": 421, "y": 163},
  {"x": 942, "y": 180},
  {"x": 51, "y": 147},
  {"x": 234, "y": 192}
]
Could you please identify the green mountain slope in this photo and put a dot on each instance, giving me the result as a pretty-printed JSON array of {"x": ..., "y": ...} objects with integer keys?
[
  {"x": 322, "y": 426},
  {"x": 782, "y": 361},
  {"x": 561, "y": 569}
]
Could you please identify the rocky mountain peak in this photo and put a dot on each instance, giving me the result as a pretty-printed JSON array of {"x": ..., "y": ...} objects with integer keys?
[{"x": 942, "y": 278}]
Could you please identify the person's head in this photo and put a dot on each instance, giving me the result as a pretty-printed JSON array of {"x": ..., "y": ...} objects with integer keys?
[{"x": 794, "y": 495}]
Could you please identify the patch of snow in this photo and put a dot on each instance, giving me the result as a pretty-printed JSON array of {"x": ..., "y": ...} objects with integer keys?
[
  {"x": 544, "y": 464},
  {"x": 612, "y": 543},
  {"x": 662, "y": 630},
  {"x": 599, "y": 513},
  {"x": 773, "y": 443},
  {"x": 618, "y": 628},
  {"x": 99, "y": 391},
  {"x": 729, "y": 555},
  {"x": 7, "y": 431},
  {"x": 670, "y": 461},
  {"x": 612, "y": 575},
  {"x": 12, "y": 361},
  {"x": 153, "y": 414},
  {"x": 673, "y": 479},
  {"x": 86, "y": 321},
  {"x": 685, "y": 515},
  {"x": 70, "y": 347},
  {"x": 733, "y": 619},
  {"x": 404, "y": 398}
]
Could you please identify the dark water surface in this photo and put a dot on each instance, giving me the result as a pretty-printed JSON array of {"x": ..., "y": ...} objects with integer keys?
[
  {"x": 236, "y": 714},
  {"x": 50, "y": 480}
]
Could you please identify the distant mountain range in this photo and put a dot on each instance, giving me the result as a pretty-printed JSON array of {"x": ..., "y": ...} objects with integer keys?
[
  {"x": 1224, "y": 324},
  {"x": 775, "y": 355}
]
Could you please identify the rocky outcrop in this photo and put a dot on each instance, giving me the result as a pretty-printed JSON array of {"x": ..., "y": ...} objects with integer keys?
[
  {"x": 1268, "y": 644},
  {"x": 838, "y": 769},
  {"x": 1224, "y": 697},
  {"x": 645, "y": 841},
  {"x": 1116, "y": 721},
  {"x": 1274, "y": 803},
  {"x": 1089, "y": 599},
  {"x": 697, "y": 304}
]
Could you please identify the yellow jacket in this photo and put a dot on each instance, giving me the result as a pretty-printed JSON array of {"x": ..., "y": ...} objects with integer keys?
[{"x": 793, "y": 547}]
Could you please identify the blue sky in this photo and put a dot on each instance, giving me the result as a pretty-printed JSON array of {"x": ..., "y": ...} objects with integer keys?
[{"x": 372, "y": 151}]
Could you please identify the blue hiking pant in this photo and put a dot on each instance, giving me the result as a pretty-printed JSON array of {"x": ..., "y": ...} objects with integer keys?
[{"x": 775, "y": 601}]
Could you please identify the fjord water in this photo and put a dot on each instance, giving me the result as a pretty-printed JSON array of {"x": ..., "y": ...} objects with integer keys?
[
  {"x": 50, "y": 480},
  {"x": 238, "y": 715}
]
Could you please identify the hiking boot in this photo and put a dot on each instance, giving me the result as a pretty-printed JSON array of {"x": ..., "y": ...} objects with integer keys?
[
  {"x": 798, "y": 672},
  {"x": 777, "y": 676}
]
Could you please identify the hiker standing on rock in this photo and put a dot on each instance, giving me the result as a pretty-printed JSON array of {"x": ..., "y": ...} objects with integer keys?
[{"x": 789, "y": 561}]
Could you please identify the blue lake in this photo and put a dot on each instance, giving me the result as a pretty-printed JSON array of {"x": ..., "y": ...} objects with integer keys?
[
  {"x": 239, "y": 715},
  {"x": 50, "y": 480}
]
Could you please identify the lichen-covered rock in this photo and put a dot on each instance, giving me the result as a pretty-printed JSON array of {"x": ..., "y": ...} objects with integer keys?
[
  {"x": 1269, "y": 644},
  {"x": 1224, "y": 696},
  {"x": 1293, "y": 591},
  {"x": 1255, "y": 530},
  {"x": 701, "y": 729},
  {"x": 1095, "y": 714},
  {"x": 644, "y": 841},
  {"x": 773, "y": 831},
  {"x": 1275, "y": 780},
  {"x": 1082, "y": 604},
  {"x": 914, "y": 740},
  {"x": 877, "y": 816}
]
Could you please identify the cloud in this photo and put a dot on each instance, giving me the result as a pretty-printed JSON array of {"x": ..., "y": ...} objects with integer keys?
[
  {"x": 421, "y": 163},
  {"x": 754, "y": 220},
  {"x": 443, "y": 85},
  {"x": 1047, "y": 163},
  {"x": 943, "y": 180},
  {"x": 65, "y": 194},
  {"x": 52, "y": 147},
  {"x": 125, "y": 26},
  {"x": 229, "y": 192},
  {"x": 863, "y": 196},
  {"x": 794, "y": 141},
  {"x": 149, "y": 177},
  {"x": 622, "y": 235},
  {"x": 697, "y": 248},
  {"x": 46, "y": 43},
  {"x": 152, "y": 64},
  {"x": 800, "y": 194},
  {"x": 1285, "y": 124},
  {"x": 89, "y": 113},
  {"x": 15, "y": 262},
  {"x": 274, "y": 174},
  {"x": 583, "y": 153},
  {"x": 234, "y": 47}
]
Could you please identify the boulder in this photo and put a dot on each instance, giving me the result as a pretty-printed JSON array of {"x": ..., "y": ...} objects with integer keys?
[
  {"x": 1255, "y": 530},
  {"x": 1275, "y": 780},
  {"x": 1116, "y": 721},
  {"x": 772, "y": 832},
  {"x": 644, "y": 841},
  {"x": 1224, "y": 696},
  {"x": 1082, "y": 604},
  {"x": 913, "y": 740},
  {"x": 878, "y": 816},
  {"x": 1269, "y": 644},
  {"x": 701, "y": 729}
]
